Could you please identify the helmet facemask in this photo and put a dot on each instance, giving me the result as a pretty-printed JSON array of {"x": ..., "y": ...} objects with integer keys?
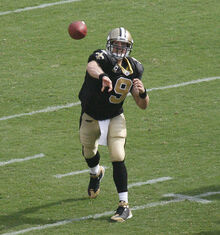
[
  {"x": 118, "y": 51},
  {"x": 119, "y": 43}
]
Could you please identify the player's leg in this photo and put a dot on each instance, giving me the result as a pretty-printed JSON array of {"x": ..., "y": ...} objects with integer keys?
[
  {"x": 116, "y": 143},
  {"x": 89, "y": 135}
]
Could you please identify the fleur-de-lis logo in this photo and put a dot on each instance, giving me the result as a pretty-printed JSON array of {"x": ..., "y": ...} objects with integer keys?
[{"x": 99, "y": 55}]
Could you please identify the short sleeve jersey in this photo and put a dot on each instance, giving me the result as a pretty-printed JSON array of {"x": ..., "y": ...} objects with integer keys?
[{"x": 104, "y": 105}]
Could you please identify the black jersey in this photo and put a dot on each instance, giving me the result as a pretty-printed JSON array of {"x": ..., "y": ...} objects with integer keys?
[{"x": 103, "y": 105}]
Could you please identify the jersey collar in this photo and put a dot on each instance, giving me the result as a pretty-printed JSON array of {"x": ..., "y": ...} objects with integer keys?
[{"x": 128, "y": 70}]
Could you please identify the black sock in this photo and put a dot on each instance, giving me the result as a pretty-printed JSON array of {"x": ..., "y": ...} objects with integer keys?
[
  {"x": 94, "y": 161},
  {"x": 120, "y": 176}
]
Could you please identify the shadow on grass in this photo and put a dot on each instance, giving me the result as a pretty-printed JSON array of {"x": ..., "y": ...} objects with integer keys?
[
  {"x": 208, "y": 233},
  {"x": 202, "y": 190},
  {"x": 21, "y": 217},
  {"x": 215, "y": 189}
]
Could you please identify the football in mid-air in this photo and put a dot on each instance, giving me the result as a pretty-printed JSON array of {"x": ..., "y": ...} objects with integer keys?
[{"x": 77, "y": 29}]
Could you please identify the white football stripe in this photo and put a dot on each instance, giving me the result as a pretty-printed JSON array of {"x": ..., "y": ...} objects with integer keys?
[
  {"x": 208, "y": 194},
  {"x": 196, "y": 198},
  {"x": 37, "y": 7},
  {"x": 46, "y": 110},
  {"x": 74, "y": 173},
  {"x": 185, "y": 83},
  {"x": 22, "y": 159},
  {"x": 71, "y": 173},
  {"x": 153, "y": 181},
  {"x": 189, "y": 198}
]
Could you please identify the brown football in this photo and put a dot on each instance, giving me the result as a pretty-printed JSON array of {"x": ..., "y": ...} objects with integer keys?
[{"x": 77, "y": 30}]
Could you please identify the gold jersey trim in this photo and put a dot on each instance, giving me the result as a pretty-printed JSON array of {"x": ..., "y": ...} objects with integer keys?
[{"x": 128, "y": 71}]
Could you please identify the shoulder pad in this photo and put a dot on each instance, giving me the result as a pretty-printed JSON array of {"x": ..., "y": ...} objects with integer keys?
[
  {"x": 97, "y": 55},
  {"x": 138, "y": 65},
  {"x": 136, "y": 61}
]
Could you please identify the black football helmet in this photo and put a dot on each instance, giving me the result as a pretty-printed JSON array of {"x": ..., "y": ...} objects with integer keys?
[{"x": 119, "y": 35}]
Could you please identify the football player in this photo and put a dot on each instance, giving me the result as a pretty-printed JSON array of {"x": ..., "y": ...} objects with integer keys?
[{"x": 110, "y": 75}]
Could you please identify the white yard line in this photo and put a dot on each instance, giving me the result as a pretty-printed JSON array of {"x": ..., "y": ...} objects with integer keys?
[
  {"x": 189, "y": 198},
  {"x": 153, "y": 181},
  {"x": 74, "y": 173},
  {"x": 55, "y": 108},
  {"x": 71, "y": 173},
  {"x": 208, "y": 194},
  {"x": 46, "y": 110},
  {"x": 37, "y": 7},
  {"x": 196, "y": 198},
  {"x": 107, "y": 213},
  {"x": 22, "y": 159},
  {"x": 185, "y": 83}
]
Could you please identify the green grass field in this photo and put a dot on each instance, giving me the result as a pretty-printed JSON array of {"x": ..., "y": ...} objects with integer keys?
[{"x": 178, "y": 136}]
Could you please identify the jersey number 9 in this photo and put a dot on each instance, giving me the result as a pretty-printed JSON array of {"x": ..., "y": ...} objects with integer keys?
[{"x": 122, "y": 87}]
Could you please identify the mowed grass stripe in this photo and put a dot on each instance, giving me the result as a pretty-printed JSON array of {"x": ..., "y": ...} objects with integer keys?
[{"x": 55, "y": 108}]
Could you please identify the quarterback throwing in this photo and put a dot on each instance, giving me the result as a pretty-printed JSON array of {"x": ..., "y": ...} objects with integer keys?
[{"x": 110, "y": 75}]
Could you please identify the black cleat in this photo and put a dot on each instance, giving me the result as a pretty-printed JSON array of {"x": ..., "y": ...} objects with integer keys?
[
  {"x": 122, "y": 213},
  {"x": 94, "y": 183}
]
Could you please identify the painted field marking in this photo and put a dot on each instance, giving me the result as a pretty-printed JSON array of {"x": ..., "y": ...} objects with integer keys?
[
  {"x": 74, "y": 173},
  {"x": 208, "y": 194},
  {"x": 37, "y": 7},
  {"x": 107, "y": 213},
  {"x": 185, "y": 83},
  {"x": 55, "y": 108},
  {"x": 46, "y": 110},
  {"x": 186, "y": 197},
  {"x": 71, "y": 173},
  {"x": 22, "y": 159},
  {"x": 153, "y": 181},
  {"x": 196, "y": 198}
]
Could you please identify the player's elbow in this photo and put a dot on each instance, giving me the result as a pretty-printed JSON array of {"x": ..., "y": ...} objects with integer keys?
[
  {"x": 143, "y": 106},
  {"x": 90, "y": 66}
]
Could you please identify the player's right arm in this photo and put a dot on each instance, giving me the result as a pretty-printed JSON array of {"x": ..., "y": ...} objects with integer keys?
[{"x": 95, "y": 71}]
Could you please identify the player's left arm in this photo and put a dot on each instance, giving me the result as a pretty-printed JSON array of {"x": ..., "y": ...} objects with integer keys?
[
  {"x": 139, "y": 94},
  {"x": 138, "y": 91}
]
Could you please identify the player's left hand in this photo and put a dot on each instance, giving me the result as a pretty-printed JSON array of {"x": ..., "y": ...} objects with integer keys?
[{"x": 138, "y": 86}]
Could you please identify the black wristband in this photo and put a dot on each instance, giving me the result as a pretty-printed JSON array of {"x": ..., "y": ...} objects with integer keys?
[
  {"x": 143, "y": 95},
  {"x": 102, "y": 75}
]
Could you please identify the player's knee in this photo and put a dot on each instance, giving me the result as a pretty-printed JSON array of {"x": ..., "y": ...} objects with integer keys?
[
  {"x": 89, "y": 152},
  {"x": 117, "y": 154},
  {"x": 117, "y": 158},
  {"x": 116, "y": 149}
]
